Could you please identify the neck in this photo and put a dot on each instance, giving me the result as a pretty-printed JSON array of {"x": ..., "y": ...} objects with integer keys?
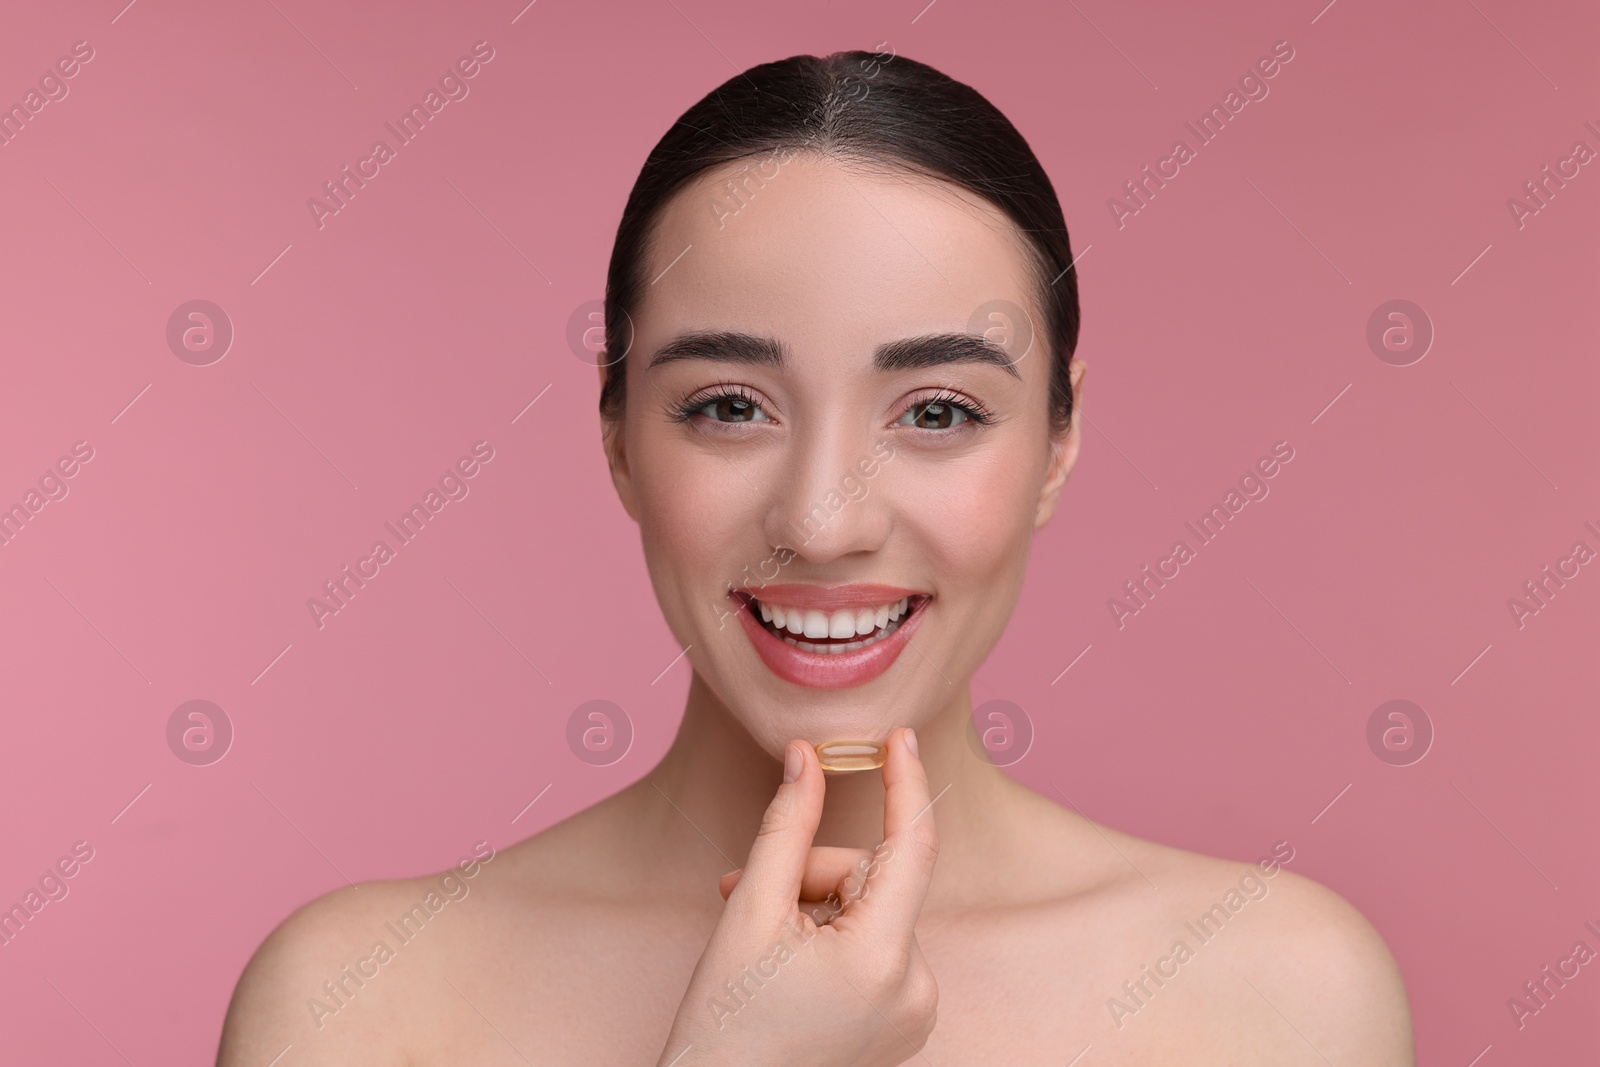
[{"x": 706, "y": 797}]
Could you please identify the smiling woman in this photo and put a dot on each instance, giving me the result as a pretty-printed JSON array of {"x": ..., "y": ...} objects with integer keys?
[{"x": 896, "y": 888}]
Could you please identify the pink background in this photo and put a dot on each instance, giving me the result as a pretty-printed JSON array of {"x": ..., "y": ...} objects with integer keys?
[{"x": 426, "y": 315}]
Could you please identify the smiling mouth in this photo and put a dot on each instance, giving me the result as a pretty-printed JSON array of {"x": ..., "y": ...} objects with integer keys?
[{"x": 832, "y": 632}]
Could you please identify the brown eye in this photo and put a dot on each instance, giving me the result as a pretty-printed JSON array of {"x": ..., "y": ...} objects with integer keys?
[
  {"x": 733, "y": 409},
  {"x": 727, "y": 407},
  {"x": 935, "y": 416}
]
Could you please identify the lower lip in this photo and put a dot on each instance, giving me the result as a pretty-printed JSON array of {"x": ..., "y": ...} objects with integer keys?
[{"x": 825, "y": 670}]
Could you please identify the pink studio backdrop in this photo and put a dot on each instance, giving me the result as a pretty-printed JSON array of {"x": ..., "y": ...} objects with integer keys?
[{"x": 370, "y": 352}]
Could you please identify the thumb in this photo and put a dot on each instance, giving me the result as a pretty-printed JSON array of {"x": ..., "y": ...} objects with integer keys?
[{"x": 770, "y": 885}]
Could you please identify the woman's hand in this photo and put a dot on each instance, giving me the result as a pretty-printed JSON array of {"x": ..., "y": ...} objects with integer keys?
[{"x": 772, "y": 986}]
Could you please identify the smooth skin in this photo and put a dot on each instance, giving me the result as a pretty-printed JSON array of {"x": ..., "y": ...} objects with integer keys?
[{"x": 993, "y": 926}]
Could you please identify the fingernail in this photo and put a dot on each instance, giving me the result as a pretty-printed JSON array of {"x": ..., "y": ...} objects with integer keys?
[
  {"x": 911, "y": 742},
  {"x": 792, "y": 762}
]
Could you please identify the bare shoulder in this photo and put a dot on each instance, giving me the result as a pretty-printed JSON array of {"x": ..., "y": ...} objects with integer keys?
[
  {"x": 1297, "y": 964},
  {"x": 1319, "y": 957},
  {"x": 328, "y": 981},
  {"x": 391, "y": 972}
]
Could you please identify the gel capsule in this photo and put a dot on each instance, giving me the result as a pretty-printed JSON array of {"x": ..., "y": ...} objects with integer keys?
[{"x": 851, "y": 755}]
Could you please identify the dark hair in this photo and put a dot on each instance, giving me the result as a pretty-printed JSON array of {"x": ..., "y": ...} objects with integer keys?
[{"x": 864, "y": 107}]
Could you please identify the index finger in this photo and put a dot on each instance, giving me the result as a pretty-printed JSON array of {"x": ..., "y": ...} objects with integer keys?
[{"x": 901, "y": 883}]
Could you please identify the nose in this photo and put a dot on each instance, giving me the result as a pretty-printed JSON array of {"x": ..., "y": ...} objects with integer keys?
[{"x": 827, "y": 500}]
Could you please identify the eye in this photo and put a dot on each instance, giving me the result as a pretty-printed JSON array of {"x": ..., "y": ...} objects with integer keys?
[
  {"x": 943, "y": 412},
  {"x": 726, "y": 405},
  {"x": 934, "y": 416}
]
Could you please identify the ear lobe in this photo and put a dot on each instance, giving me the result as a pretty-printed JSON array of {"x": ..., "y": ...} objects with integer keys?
[
  {"x": 1063, "y": 450},
  {"x": 1063, "y": 453},
  {"x": 614, "y": 443}
]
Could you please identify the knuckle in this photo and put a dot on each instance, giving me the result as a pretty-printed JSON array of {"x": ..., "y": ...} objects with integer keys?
[
  {"x": 919, "y": 998},
  {"x": 779, "y": 816},
  {"x": 887, "y": 975},
  {"x": 925, "y": 993},
  {"x": 922, "y": 840}
]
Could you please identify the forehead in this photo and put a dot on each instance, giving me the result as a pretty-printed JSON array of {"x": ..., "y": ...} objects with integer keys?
[{"x": 828, "y": 255}]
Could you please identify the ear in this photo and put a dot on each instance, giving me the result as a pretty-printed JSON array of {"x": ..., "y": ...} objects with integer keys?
[
  {"x": 1063, "y": 450},
  {"x": 614, "y": 441}
]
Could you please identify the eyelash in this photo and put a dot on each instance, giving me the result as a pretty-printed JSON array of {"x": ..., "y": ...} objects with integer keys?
[
  {"x": 696, "y": 402},
  {"x": 704, "y": 398},
  {"x": 971, "y": 408}
]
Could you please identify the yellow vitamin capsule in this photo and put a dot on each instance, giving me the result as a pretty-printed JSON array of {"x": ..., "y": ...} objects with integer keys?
[{"x": 851, "y": 755}]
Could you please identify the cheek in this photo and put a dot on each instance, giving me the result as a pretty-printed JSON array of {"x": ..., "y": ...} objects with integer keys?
[
  {"x": 696, "y": 518},
  {"x": 983, "y": 520},
  {"x": 973, "y": 545}
]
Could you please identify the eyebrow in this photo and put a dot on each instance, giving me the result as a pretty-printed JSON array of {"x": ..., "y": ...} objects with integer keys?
[{"x": 908, "y": 353}]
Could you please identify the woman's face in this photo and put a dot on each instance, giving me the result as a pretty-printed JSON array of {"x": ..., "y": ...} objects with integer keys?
[{"x": 815, "y": 429}]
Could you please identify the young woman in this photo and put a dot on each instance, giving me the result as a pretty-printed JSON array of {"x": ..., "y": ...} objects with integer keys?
[{"x": 838, "y": 399}]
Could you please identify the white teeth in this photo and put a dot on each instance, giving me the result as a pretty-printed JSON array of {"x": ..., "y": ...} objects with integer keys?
[
  {"x": 833, "y": 649},
  {"x": 872, "y": 624},
  {"x": 848, "y": 646}
]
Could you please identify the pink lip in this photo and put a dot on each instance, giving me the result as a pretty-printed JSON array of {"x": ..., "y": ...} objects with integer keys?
[{"x": 822, "y": 670}]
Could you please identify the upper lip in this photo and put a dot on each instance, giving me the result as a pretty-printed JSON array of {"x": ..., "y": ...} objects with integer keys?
[{"x": 828, "y": 597}]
